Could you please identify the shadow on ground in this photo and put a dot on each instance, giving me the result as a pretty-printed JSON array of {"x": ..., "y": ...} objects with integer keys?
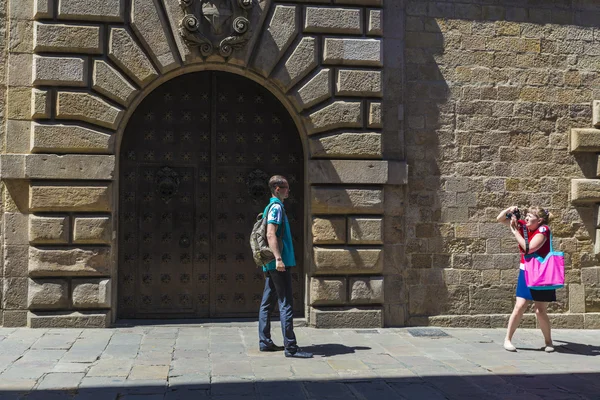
[{"x": 434, "y": 387}]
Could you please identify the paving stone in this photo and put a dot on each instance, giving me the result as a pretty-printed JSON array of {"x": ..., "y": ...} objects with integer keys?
[{"x": 60, "y": 381}]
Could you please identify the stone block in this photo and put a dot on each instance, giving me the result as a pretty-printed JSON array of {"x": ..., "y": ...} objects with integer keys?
[
  {"x": 347, "y": 260},
  {"x": 299, "y": 64},
  {"x": 52, "y": 166},
  {"x": 359, "y": 83},
  {"x": 329, "y": 230},
  {"x": 315, "y": 91},
  {"x": 360, "y": 2},
  {"x": 277, "y": 37},
  {"x": 347, "y": 145},
  {"x": 14, "y": 294},
  {"x": 48, "y": 229},
  {"x": 19, "y": 69},
  {"x": 332, "y": 200},
  {"x": 43, "y": 8},
  {"x": 576, "y": 298},
  {"x": 348, "y": 171},
  {"x": 78, "y": 319},
  {"x": 340, "y": 114},
  {"x": 18, "y": 103},
  {"x": 495, "y": 299},
  {"x": 69, "y": 139},
  {"x": 363, "y": 230},
  {"x": 16, "y": 259},
  {"x": 91, "y": 293},
  {"x": 591, "y": 321},
  {"x": 566, "y": 321},
  {"x": 367, "y": 52},
  {"x": 366, "y": 290},
  {"x": 20, "y": 38},
  {"x": 375, "y": 115},
  {"x": 338, "y": 317},
  {"x": 596, "y": 113},
  {"x": 47, "y": 294},
  {"x": 124, "y": 51},
  {"x": 14, "y": 318},
  {"x": 94, "y": 10},
  {"x": 88, "y": 108},
  {"x": 62, "y": 38},
  {"x": 375, "y": 23},
  {"x": 175, "y": 14},
  {"x": 15, "y": 229},
  {"x": 92, "y": 230},
  {"x": 585, "y": 190},
  {"x": 40, "y": 104},
  {"x": 109, "y": 82},
  {"x": 328, "y": 291},
  {"x": 333, "y": 20},
  {"x": 584, "y": 140},
  {"x": 69, "y": 198},
  {"x": 69, "y": 261},
  {"x": 148, "y": 26}
]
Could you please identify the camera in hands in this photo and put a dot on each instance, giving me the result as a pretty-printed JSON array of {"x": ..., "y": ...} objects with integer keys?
[{"x": 516, "y": 213}]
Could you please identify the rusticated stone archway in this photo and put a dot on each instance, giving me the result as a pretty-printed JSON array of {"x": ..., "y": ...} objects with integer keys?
[{"x": 86, "y": 68}]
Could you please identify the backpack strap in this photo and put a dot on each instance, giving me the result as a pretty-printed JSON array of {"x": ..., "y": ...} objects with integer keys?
[{"x": 283, "y": 218}]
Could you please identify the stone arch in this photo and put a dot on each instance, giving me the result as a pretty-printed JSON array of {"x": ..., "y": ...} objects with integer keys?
[{"x": 92, "y": 62}]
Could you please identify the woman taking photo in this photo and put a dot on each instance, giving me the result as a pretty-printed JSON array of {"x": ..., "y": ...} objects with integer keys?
[{"x": 538, "y": 235}]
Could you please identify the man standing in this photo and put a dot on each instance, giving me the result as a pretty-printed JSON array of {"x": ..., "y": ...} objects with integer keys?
[{"x": 278, "y": 280}]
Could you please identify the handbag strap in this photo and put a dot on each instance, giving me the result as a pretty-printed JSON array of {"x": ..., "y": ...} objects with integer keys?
[{"x": 526, "y": 237}]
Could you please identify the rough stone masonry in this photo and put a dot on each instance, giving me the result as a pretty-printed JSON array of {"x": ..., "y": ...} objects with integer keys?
[{"x": 419, "y": 121}]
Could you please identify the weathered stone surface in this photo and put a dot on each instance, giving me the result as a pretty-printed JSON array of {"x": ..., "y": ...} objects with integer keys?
[
  {"x": 47, "y": 294},
  {"x": 348, "y": 171},
  {"x": 15, "y": 261},
  {"x": 91, "y": 293},
  {"x": 366, "y": 290},
  {"x": 360, "y": 2},
  {"x": 585, "y": 140},
  {"x": 347, "y": 145},
  {"x": 67, "y": 38},
  {"x": 18, "y": 103},
  {"x": 95, "y": 230},
  {"x": 95, "y": 10},
  {"x": 596, "y": 113},
  {"x": 48, "y": 229},
  {"x": 147, "y": 24},
  {"x": 576, "y": 298},
  {"x": 43, "y": 8},
  {"x": 109, "y": 82},
  {"x": 19, "y": 69},
  {"x": 359, "y": 317},
  {"x": 52, "y": 166},
  {"x": 334, "y": 200},
  {"x": 14, "y": 318},
  {"x": 353, "y": 52},
  {"x": 69, "y": 261},
  {"x": 17, "y": 135},
  {"x": 591, "y": 321},
  {"x": 328, "y": 291},
  {"x": 341, "y": 114},
  {"x": 20, "y": 38},
  {"x": 69, "y": 139},
  {"x": 375, "y": 27},
  {"x": 40, "y": 104},
  {"x": 566, "y": 321},
  {"x": 333, "y": 20},
  {"x": 60, "y": 71},
  {"x": 124, "y": 52},
  {"x": 95, "y": 319},
  {"x": 358, "y": 83},
  {"x": 279, "y": 34},
  {"x": 315, "y": 91},
  {"x": 329, "y": 230},
  {"x": 69, "y": 198},
  {"x": 585, "y": 190},
  {"x": 374, "y": 115},
  {"x": 14, "y": 294},
  {"x": 175, "y": 14},
  {"x": 300, "y": 63},
  {"x": 348, "y": 260},
  {"x": 15, "y": 228},
  {"x": 363, "y": 230},
  {"x": 87, "y": 107}
]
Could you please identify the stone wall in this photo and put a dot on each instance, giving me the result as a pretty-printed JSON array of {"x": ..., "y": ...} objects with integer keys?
[
  {"x": 492, "y": 93},
  {"x": 3, "y": 63}
]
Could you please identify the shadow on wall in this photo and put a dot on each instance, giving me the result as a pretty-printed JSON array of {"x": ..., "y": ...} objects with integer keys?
[{"x": 492, "y": 92}]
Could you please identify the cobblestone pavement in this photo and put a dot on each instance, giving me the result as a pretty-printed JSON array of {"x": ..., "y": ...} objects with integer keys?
[{"x": 221, "y": 361}]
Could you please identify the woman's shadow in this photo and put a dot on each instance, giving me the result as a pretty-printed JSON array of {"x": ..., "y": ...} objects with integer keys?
[
  {"x": 332, "y": 349},
  {"x": 577, "y": 348}
]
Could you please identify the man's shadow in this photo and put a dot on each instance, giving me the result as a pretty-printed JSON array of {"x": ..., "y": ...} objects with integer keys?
[{"x": 332, "y": 349}]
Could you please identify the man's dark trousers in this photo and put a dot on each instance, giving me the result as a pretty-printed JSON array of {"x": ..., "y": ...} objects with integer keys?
[{"x": 278, "y": 288}]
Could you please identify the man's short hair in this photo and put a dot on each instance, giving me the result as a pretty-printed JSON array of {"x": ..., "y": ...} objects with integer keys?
[{"x": 275, "y": 181}]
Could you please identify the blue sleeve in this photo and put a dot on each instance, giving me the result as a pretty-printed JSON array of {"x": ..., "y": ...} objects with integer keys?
[{"x": 275, "y": 215}]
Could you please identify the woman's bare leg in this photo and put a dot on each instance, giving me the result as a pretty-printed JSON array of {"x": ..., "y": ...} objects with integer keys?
[
  {"x": 541, "y": 312},
  {"x": 515, "y": 317}
]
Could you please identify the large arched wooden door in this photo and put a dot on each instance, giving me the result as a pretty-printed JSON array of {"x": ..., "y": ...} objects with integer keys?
[{"x": 194, "y": 163}]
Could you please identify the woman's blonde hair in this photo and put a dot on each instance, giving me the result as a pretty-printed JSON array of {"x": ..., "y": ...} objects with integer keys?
[{"x": 542, "y": 213}]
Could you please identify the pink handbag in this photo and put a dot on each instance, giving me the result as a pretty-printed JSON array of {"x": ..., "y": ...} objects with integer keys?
[{"x": 545, "y": 273}]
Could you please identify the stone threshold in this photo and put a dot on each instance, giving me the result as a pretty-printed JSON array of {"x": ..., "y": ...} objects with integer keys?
[{"x": 195, "y": 323}]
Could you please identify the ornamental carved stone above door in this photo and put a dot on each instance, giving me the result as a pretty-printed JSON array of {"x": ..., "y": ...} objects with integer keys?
[{"x": 194, "y": 164}]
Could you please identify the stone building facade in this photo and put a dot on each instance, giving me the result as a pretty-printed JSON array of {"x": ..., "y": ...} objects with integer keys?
[{"x": 137, "y": 137}]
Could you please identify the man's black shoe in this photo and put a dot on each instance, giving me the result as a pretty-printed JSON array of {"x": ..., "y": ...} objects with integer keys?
[
  {"x": 298, "y": 354},
  {"x": 273, "y": 347}
]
